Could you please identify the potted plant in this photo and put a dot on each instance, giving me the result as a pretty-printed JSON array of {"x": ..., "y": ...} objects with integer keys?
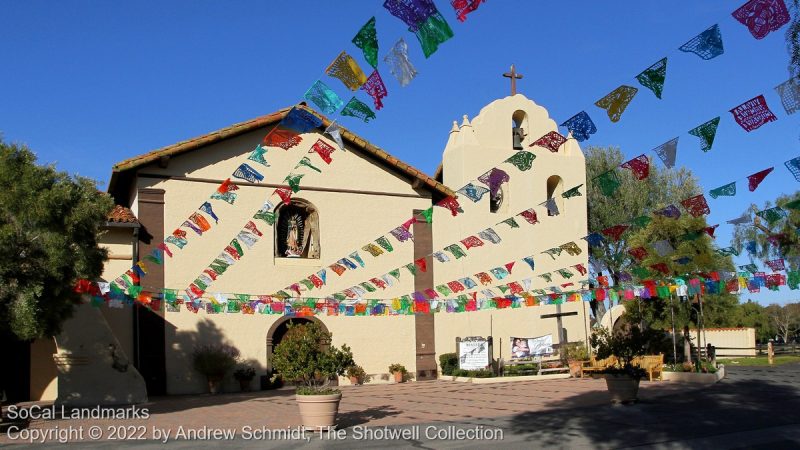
[
  {"x": 214, "y": 362},
  {"x": 357, "y": 375},
  {"x": 576, "y": 354},
  {"x": 244, "y": 375},
  {"x": 399, "y": 371},
  {"x": 305, "y": 357},
  {"x": 627, "y": 343}
]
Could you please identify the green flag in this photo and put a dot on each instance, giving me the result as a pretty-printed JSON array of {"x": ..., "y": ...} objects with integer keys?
[
  {"x": 609, "y": 183},
  {"x": 653, "y": 77},
  {"x": 367, "y": 41},
  {"x": 706, "y": 132}
]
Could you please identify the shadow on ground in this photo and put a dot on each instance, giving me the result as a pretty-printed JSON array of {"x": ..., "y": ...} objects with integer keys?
[
  {"x": 746, "y": 401},
  {"x": 354, "y": 418}
]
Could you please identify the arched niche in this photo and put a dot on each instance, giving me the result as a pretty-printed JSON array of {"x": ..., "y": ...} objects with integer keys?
[
  {"x": 519, "y": 129},
  {"x": 297, "y": 230},
  {"x": 555, "y": 187}
]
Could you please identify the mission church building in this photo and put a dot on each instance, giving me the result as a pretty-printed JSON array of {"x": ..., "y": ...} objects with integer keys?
[{"x": 360, "y": 196}]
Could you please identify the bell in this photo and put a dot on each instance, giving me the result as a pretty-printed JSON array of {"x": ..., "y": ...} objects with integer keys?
[{"x": 518, "y": 134}]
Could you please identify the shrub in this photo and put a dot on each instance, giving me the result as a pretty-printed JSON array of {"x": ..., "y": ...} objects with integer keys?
[
  {"x": 481, "y": 373},
  {"x": 245, "y": 373},
  {"x": 396, "y": 367},
  {"x": 449, "y": 363},
  {"x": 576, "y": 351},
  {"x": 304, "y": 356},
  {"x": 214, "y": 361},
  {"x": 357, "y": 372}
]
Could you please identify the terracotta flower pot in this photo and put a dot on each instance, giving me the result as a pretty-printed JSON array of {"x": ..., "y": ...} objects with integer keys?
[
  {"x": 355, "y": 380},
  {"x": 318, "y": 411},
  {"x": 398, "y": 377},
  {"x": 623, "y": 388},
  {"x": 244, "y": 385}
]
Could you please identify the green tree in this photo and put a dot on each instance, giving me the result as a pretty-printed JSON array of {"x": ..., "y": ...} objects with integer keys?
[
  {"x": 778, "y": 239},
  {"x": 636, "y": 198},
  {"x": 49, "y": 225},
  {"x": 751, "y": 314}
]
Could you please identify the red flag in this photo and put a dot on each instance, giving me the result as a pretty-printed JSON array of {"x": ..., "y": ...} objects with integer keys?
[
  {"x": 755, "y": 179},
  {"x": 697, "y": 205},
  {"x": 530, "y": 216},
  {"x": 615, "y": 232},
  {"x": 551, "y": 141},
  {"x": 471, "y": 241},
  {"x": 640, "y": 166}
]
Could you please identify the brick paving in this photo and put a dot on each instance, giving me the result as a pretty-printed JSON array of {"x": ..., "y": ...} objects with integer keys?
[{"x": 428, "y": 402}]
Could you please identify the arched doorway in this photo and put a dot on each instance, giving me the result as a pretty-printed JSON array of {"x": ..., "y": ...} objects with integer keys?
[{"x": 279, "y": 329}]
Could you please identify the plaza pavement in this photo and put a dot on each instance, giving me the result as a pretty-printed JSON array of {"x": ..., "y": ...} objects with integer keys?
[{"x": 755, "y": 407}]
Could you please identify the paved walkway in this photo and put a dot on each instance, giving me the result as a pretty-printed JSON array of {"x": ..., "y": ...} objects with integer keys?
[{"x": 752, "y": 408}]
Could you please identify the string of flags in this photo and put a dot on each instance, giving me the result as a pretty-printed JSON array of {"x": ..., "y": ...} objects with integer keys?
[{"x": 760, "y": 17}]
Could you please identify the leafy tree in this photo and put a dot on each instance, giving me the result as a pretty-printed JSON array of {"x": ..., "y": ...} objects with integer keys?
[
  {"x": 779, "y": 239},
  {"x": 751, "y": 314},
  {"x": 49, "y": 225},
  {"x": 786, "y": 319},
  {"x": 635, "y": 198}
]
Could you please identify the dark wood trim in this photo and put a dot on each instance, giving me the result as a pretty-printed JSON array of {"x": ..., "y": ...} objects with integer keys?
[
  {"x": 424, "y": 324},
  {"x": 273, "y": 186},
  {"x": 550, "y": 316}
]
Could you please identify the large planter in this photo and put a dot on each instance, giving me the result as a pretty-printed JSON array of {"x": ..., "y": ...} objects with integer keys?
[
  {"x": 398, "y": 377},
  {"x": 318, "y": 411},
  {"x": 244, "y": 385},
  {"x": 622, "y": 388},
  {"x": 355, "y": 381},
  {"x": 214, "y": 385}
]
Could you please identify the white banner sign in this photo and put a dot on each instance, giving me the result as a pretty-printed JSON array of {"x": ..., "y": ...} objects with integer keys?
[
  {"x": 526, "y": 347},
  {"x": 473, "y": 354}
]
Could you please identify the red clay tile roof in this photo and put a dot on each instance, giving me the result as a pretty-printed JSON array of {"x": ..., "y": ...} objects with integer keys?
[
  {"x": 121, "y": 214},
  {"x": 368, "y": 149}
]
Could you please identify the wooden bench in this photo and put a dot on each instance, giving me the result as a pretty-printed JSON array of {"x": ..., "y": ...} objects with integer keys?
[
  {"x": 653, "y": 364},
  {"x": 596, "y": 365}
]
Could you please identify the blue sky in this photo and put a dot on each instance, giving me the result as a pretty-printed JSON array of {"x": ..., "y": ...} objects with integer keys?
[{"x": 87, "y": 84}]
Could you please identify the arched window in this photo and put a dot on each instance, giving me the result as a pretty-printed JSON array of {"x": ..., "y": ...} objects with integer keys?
[
  {"x": 519, "y": 123},
  {"x": 555, "y": 187},
  {"x": 297, "y": 230},
  {"x": 496, "y": 200}
]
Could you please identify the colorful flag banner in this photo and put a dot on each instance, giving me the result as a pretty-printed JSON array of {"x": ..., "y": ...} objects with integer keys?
[
  {"x": 639, "y": 166},
  {"x": 615, "y": 232},
  {"x": 551, "y": 141},
  {"x": 696, "y": 206},
  {"x": 744, "y": 218},
  {"x": 772, "y": 215},
  {"x": 706, "y": 132},
  {"x": 399, "y": 64},
  {"x": 794, "y": 167},
  {"x": 639, "y": 253},
  {"x": 608, "y": 182},
  {"x": 755, "y": 179},
  {"x": 594, "y": 239},
  {"x": 367, "y": 40},
  {"x": 245, "y": 172},
  {"x": 206, "y": 208},
  {"x": 347, "y": 70},
  {"x": 789, "y": 91},
  {"x": 451, "y": 204},
  {"x": 474, "y": 193},
  {"x": 322, "y": 149},
  {"x": 326, "y": 99},
  {"x": 301, "y": 121},
  {"x": 552, "y": 207},
  {"x": 572, "y": 192},
  {"x": 728, "y": 190},
  {"x": 433, "y": 32},
  {"x": 456, "y": 251},
  {"x": 776, "y": 264},
  {"x": 471, "y": 242},
  {"x": 522, "y": 160},
  {"x": 494, "y": 179},
  {"x": 402, "y": 234},
  {"x": 654, "y": 76},
  {"x": 707, "y": 45},
  {"x": 670, "y": 212},
  {"x": 663, "y": 248},
  {"x": 358, "y": 109},
  {"x": 616, "y": 101},
  {"x": 412, "y": 12},
  {"x": 642, "y": 221},
  {"x": 385, "y": 244},
  {"x": 293, "y": 180},
  {"x": 335, "y": 132},
  {"x": 762, "y": 16},
  {"x": 581, "y": 126},
  {"x": 257, "y": 155},
  {"x": 510, "y": 222},
  {"x": 283, "y": 138},
  {"x": 667, "y": 152},
  {"x": 489, "y": 235},
  {"x": 753, "y": 113},
  {"x": 464, "y": 7},
  {"x": 571, "y": 248},
  {"x": 376, "y": 89}
]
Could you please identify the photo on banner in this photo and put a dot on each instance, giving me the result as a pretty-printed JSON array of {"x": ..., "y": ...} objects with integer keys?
[{"x": 527, "y": 347}]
